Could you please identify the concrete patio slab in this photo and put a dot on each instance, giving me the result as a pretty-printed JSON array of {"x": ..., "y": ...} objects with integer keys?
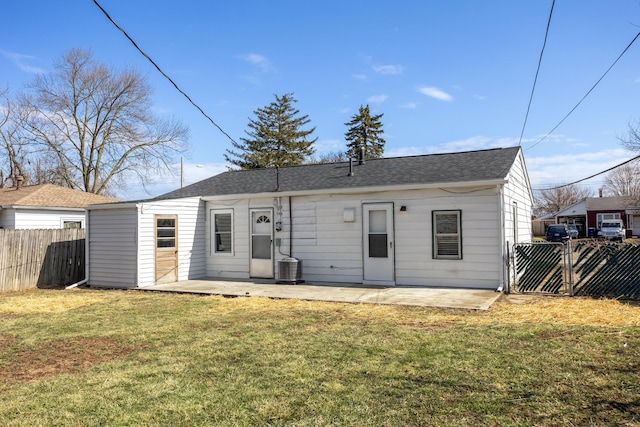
[{"x": 473, "y": 299}]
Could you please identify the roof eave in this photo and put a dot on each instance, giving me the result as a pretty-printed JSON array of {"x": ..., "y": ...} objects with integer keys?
[
  {"x": 57, "y": 208},
  {"x": 365, "y": 189}
]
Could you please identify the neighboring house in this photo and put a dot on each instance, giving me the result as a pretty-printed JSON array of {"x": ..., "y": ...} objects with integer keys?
[
  {"x": 45, "y": 206},
  {"x": 588, "y": 214},
  {"x": 433, "y": 220}
]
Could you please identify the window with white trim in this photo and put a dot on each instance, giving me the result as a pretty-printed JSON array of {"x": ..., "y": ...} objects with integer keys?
[
  {"x": 222, "y": 233},
  {"x": 604, "y": 217},
  {"x": 71, "y": 224},
  {"x": 447, "y": 234}
]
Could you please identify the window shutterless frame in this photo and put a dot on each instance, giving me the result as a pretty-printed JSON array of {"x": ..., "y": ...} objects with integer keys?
[
  {"x": 222, "y": 231},
  {"x": 447, "y": 234}
]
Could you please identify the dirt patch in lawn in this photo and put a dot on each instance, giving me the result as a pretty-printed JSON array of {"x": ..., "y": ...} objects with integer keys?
[{"x": 22, "y": 363}]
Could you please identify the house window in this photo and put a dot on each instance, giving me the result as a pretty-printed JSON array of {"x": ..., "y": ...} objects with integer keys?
[
  {"x": 165, "y": 232},
  {"x": 604, "y": 217},
  {"x": 71, "y": 224},
  {"x": 223, "y": 231},
  {"x": 447, "y": 235}
]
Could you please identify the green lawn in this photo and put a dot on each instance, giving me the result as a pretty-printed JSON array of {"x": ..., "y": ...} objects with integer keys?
[{"x": 112, "y": 358}]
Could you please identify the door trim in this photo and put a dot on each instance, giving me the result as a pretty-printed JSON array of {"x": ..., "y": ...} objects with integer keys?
[
  {"x": 263, "y": 268},
  {"x": 378, "y": 270},
  {"x": 165, "y": 266}
]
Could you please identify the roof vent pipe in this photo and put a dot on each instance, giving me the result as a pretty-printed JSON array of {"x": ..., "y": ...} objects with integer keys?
[
  {"x": 361, "y": 155},
  {"x": 19, "y": 181},
  {"x": 350, "y": 167}
]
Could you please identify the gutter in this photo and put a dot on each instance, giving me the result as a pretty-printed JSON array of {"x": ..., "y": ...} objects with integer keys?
[{"x": 359, "y": 190}]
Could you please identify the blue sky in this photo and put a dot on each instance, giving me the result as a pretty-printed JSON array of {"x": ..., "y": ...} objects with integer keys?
[{"x": 448, "y": 75}]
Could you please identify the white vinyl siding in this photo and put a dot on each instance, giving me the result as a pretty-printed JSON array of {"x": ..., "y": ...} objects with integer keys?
[
  {"x": 7, "y": 218},
  {"x": 191, "y": 238},
  {"x": 45, "y": 218},
  {"x": 112, "y": 244},
  {"x": 330, "y": 247},
  {"x": 517, "y": 193}
]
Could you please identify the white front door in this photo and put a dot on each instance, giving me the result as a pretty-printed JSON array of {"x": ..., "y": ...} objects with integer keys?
[
  {"x": 378, "y": 244},
  {"x": 261, "y": 250}
]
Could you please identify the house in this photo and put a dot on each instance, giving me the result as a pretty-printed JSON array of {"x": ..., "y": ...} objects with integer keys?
[
  {"x": 45, "y": 206},
  {"x": 589, "y": 212},
  {"x": 432, "y": 220}
]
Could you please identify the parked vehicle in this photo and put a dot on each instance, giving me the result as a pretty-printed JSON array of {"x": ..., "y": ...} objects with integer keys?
[
  {"x": 612, "y": 229},
  {"x": 558, "y": 233},
  {"x": 573, "y": 231}
]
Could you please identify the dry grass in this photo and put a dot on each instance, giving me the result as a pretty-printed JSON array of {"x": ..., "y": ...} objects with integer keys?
[
  {"x": 85, "y": 358},
  {"x": 510, "y": 309}
]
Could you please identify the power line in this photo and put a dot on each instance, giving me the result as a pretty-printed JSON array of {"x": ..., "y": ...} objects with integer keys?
[
  {"x": 594, "y": 175},
  {"x": 535, "y": 80},
  {"x": 587, "y": 94},
  {"x": 162, "y": 72}
]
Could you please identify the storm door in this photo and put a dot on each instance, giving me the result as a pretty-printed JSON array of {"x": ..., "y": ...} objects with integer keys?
[
  {"x": 261, "y": 258},
  {"x": 378, "y": 243}
]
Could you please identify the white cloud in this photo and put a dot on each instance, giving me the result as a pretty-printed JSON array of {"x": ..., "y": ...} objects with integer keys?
[
  {"x": 563, "y": 168},
  {"x": 409, "y": 105},
  {"x": 22, "y": 62},
  {"x": 257, "y": 60},
  {"x": 377, "y": 99},
  {"x": 479, "y": 97},
  {"x": 359, "y": 76},
  {"x": 329, "y": 146},
  {"x": 388, "y": 69},
  {"x": 436, "y": 93}
]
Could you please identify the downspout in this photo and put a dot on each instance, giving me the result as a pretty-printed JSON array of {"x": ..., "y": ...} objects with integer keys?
[
  {"x": 501, "y": 234},
  {"x": 290, "y": 229},
  {"x": 86, "y": 254}
]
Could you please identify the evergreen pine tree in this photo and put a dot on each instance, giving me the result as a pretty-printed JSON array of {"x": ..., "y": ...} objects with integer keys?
[
  {"x": 275, "y": 137},
  {"x": 365, "y": 131}
]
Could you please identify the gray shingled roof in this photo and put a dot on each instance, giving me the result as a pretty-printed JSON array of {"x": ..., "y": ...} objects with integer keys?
[{"x": 484, "y": 165}]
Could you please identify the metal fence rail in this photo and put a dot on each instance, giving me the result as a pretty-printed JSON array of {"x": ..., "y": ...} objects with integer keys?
[{"x": 586, "y": 267}]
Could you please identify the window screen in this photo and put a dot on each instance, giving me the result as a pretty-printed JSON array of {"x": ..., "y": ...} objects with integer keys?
[
  {"x": 223, "y": 229},
  {"x": 447, "y": 235}
]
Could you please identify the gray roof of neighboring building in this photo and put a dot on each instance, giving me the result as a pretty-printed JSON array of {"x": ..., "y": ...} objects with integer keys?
[{"x": 449, "y": 168}]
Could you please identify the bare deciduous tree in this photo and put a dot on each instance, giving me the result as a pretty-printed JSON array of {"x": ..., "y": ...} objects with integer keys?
[
  {"x": 552, "y": 200},
  {"x": 624, "y": 181},
  {"x": 331, "y": 157},
  {"x": 632, "y": 140},
  {"x": 95, "y": 125},
  {"x": 13, "y": 152}
]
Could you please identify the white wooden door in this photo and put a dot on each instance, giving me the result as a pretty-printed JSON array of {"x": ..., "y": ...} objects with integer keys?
[
  {"x": 378, "y": 244},
  {"x": 261, "y": 242}
]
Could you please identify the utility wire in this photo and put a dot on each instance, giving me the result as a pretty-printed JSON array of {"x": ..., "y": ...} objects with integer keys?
[
  {"x": 535, "y": 80},
  {"x": 162, "y": 72},
  {"x": 592, "y": 176},
  {"x": 587, "y": 94}
]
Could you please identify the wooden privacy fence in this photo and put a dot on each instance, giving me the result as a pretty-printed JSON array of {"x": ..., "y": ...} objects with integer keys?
[
  {"x": 41, "y": 258},
  {"x": 584, "y": 267}
]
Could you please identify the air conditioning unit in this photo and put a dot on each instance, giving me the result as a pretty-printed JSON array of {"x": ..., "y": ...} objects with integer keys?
[{"x": 290, "y": 271}]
